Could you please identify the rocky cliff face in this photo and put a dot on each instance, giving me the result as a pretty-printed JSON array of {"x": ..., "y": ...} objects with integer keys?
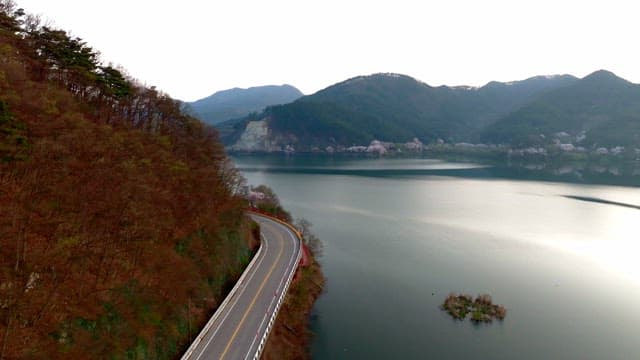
[
  {"x": 254, "y": 138},
  {"x": 258, "y": 137}
]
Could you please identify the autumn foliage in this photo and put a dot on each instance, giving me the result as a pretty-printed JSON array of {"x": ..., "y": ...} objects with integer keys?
[{"x": 120, "y": 228}]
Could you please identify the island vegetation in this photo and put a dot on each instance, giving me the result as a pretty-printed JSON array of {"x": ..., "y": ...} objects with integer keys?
[{"x": 480, "y": 309}]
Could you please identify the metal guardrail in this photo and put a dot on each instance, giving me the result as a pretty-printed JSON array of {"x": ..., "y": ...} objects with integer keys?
[
  {"x": 233, "y": 291},
  {"x": 275, "y": 311}
]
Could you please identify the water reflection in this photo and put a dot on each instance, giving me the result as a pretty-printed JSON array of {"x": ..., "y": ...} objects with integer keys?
[
  {"x": 625, "y": 174},
  {"x": 560, "y": 253}
]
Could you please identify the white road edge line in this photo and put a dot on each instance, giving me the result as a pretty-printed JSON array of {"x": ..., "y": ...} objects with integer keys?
[
  {"x": 240, "y": 283},
  {"x": 252, "y": 268},
  {"x": 298, "y": 252},
  {"x": 279, "y": 288}
]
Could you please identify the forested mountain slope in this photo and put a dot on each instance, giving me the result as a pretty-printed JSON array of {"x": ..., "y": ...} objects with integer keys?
[
  {"x": 119, "y": 221},
  {"x": 236, "y": 103},
  {"x": 598, "y": 110},
  {"x": 392, "y": 107}
]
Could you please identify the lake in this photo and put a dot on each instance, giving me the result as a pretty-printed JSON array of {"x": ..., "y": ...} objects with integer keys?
[{"x": 399, "y": 235}]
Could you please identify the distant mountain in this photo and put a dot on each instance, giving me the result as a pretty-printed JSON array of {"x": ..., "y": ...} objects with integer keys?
[
  {"x": 389, "y": 107},
  {"x": 236, "y": 102},
  {"x": 598, "y": 110},
  {"x": 503, "y": 97}
]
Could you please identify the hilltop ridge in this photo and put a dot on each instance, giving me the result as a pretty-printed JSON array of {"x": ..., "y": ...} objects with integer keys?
[
  {"x": 237, "y": 102},
  {"x": 598, "y": 110},
  {"x": 390, "y": 107},
  {"x": 599, "y": 113}
]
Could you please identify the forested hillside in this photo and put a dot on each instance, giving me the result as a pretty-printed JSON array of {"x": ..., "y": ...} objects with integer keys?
[
  {"x": 236, "y": 103},
  {"x": 403, "y": 107},
  {"x": 596, "y": 114},
  {"x": 392, "y": 107},
  {"x": 119, "y": 221},
  {"x": 598, "y": 110}
]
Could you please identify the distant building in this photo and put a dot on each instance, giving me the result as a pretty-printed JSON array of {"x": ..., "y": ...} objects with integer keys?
[
  {"x": 567, "y": 147},
  {"x": 535, "y": 151},
  {"x": 617, "y": 150},
  {"x": 356, "y": 149}
]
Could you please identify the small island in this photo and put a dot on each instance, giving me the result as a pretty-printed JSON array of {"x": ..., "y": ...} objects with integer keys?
[{"x": 481, "y": 309}]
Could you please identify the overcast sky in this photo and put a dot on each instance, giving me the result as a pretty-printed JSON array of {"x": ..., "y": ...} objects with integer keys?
[{"x": 191, "y": 48}]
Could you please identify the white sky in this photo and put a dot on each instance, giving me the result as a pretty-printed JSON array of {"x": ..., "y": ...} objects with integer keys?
[{"x": 191, "y": 49}]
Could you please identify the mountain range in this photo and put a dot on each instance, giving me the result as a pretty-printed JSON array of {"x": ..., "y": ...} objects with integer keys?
[
  {"x": 236, "y": 103},
  {"x": 600, "y": 109}
]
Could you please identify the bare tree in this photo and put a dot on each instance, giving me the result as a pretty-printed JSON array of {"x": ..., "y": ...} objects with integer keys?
[{"x": 308, "y": 237}]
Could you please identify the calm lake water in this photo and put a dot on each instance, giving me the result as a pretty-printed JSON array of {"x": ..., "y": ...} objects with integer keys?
[{"x": 399, "y": 235}]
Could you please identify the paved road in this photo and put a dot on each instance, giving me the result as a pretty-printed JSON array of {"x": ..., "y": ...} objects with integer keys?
[{"x": 238, "y": 327}]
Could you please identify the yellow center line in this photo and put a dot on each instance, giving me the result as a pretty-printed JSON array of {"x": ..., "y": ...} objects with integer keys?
[{"x": 226, "y": 349}]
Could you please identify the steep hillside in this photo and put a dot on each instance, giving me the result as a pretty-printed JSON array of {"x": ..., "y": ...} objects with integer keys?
[
  {"x": 598, "y": 110},
  {"x": 119, "y": 224},
  {"x": 391, "y": 107},
  {"x": 444, "y": 110},
  {"x": 236, "y": 103},
  {"x": 501, "y": 98}
]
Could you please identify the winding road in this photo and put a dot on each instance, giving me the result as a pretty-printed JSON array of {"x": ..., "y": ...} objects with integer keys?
[{"x": 241, "y": 325}]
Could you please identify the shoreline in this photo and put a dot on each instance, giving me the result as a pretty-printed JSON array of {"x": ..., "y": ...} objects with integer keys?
[{"x": 291, "y": 334}]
